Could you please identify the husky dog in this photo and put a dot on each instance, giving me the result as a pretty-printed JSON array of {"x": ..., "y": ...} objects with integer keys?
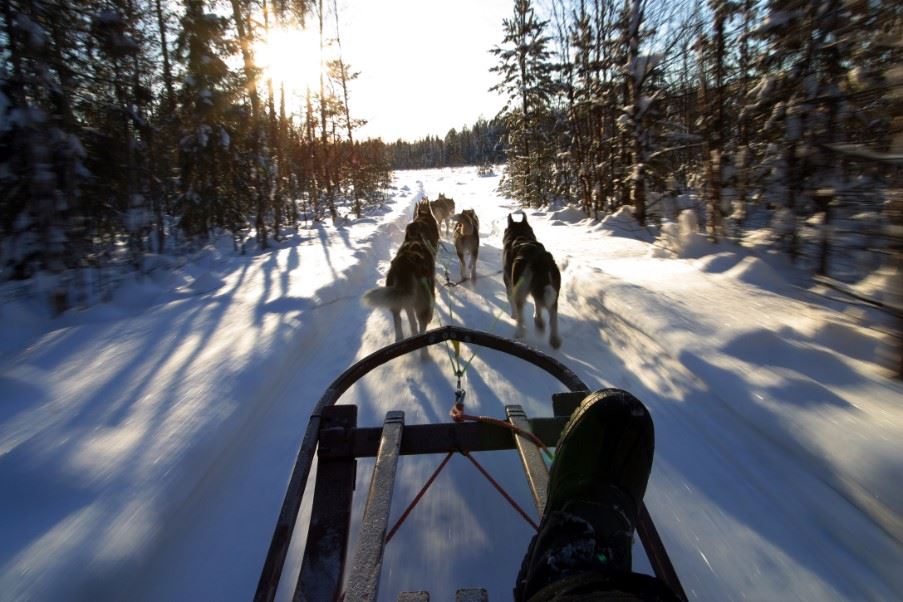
[
  {"x": 410, "y": 286},
  {"x": 529, "y": 269},
  {"x": 467, "y": 240},
  {"x": 426, "y": 226},
  {"x": 423, "y": 231},
  {"x": 443, "y": 209},
  {"x": 411, "y": 281}
]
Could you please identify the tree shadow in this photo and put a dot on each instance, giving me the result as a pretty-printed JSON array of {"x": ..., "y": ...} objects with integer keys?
[
  {"x": 267, "y": 268},
  {"x": 766, "y": 348},
  {"x": 324, "y": 242},
  {"x": 18, "y": 396},
  {"x": 732, "y": 454},
  {"x": 291, "y": 265}
]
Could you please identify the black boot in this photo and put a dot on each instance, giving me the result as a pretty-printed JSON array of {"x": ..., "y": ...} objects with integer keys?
[{"x": 596, "y": 485}]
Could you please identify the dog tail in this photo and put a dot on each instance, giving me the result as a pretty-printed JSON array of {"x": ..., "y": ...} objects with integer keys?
[{"x": 391, "y": 297}]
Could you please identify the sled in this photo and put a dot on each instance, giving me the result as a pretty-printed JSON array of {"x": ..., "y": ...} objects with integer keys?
[{"x": 333, "y": 434}]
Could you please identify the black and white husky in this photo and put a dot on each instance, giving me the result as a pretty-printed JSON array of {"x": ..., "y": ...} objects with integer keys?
[
  {"x": 528, "y": 269},
  {"x": 467, "y": 240}
]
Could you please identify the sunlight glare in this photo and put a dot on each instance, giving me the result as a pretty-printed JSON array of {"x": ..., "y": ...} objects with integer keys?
[{"x": 290, "y": 56}]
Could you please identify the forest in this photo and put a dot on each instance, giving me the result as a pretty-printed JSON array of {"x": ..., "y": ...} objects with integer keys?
[
  {"x": 783, "y": 114},
  {"x": 136, "y": 128}
]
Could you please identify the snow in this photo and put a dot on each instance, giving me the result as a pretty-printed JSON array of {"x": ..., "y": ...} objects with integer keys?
[
  {"x": 877, "y": 286},
  {"x": 145, "y": 443},
  {"x": 682, "y": 238},
  {"x": 756, "y": 272},
  {"x": 569, "y": 215}
]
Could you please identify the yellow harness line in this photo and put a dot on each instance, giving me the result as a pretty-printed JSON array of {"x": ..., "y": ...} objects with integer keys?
[{"x": 459, "y": 371}]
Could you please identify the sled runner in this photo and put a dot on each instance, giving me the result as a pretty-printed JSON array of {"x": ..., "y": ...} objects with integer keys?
[{"x": 333, "y": 434}]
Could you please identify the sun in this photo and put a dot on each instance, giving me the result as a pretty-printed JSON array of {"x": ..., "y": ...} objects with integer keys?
[{"x": 291, "y": 57}]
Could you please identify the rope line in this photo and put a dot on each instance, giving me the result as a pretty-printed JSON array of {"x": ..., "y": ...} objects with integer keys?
[
  {"x": 458, "y": 415},
  {"x": 417, "y": 497},
  {"x": 432, "y": 478},
  {"x": 499, "y": 488}
]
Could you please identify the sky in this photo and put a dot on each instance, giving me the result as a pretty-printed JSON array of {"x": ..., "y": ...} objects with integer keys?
[{"x": 423, "y": 64}]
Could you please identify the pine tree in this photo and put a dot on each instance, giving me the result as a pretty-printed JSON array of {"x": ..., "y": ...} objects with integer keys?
[
  {"x": 41, "y": 155},
  {"x": 205, "y": 100},
  {"x": 119, "y": 148},
  {"x": 258, "y": 179},
  {"x": 525, "y": 72},
  {"x": 163, "y": 150}
]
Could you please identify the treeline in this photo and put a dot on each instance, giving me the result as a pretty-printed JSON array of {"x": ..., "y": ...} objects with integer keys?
[
  {"x": 783, "y": 112},
  {"x": 128, "y": 127},
  {"x": 478, "y": 145}
]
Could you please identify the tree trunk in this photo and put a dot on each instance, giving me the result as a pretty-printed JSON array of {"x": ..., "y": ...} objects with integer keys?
[
  {"x": 164, "y": 51},
  {"x": 344, "y": 81},
  {"x": 244, "y": 41}
]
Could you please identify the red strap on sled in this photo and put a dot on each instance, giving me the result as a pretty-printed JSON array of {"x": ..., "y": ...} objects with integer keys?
[
  {"x": 417, "y": 497},
  {"x": 429, "y": 481}
]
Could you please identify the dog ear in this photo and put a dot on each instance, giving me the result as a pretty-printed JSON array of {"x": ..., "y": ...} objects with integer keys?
[{"x": 510, "y": 220}]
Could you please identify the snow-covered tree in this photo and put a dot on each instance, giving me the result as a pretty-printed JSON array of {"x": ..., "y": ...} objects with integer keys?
[
  {"x": 41, "y": 156},
  {"x": 638, "y": 70},
  {"x": 525, "y": 71},
  {"x": 713, "y": 66},
  {"x": 119, "y": 148},
  {"x": 206, "y": 99}
]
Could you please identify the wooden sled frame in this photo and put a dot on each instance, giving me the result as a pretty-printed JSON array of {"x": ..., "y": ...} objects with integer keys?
[{"x": 333, "y": 434}]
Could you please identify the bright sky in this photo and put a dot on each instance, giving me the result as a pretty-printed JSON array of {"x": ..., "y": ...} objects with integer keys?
[{"x": 424, "y": 64}]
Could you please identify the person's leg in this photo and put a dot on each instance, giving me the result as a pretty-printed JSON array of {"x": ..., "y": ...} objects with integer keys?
[{"x": 596, "y": 485}]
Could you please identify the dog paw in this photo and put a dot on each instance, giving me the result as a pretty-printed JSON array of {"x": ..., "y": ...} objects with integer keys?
[{"x": 555, "y": 342}]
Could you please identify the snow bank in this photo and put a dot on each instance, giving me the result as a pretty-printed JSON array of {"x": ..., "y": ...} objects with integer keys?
[
  {"x": 683, "y": 238},
  {"x": 622, "y": 223},
  {"x": 718, "y": 263},
  {"x": 848, "y": 339},
  {"x": 621, "y": 218},
  {"x": 22, "y": 322},
  {"x": 206, "y": 283},
  {"x": 569, "y": 214},
  {"x": 134, "y": 294},
  {"x": 753, "y": 270},
  {"x": 884, "y": 285}
]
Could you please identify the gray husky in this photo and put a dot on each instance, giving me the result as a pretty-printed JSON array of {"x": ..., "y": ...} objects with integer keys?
[
  {"x": 467, "y": 240},
  {"x": 443, "y": 209},
  {"x": 528, "y": 269},
  {"x": 410, "y": 286}
]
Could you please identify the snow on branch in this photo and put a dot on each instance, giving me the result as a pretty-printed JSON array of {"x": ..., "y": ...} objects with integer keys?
[{"x": 860, "y": 151}]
